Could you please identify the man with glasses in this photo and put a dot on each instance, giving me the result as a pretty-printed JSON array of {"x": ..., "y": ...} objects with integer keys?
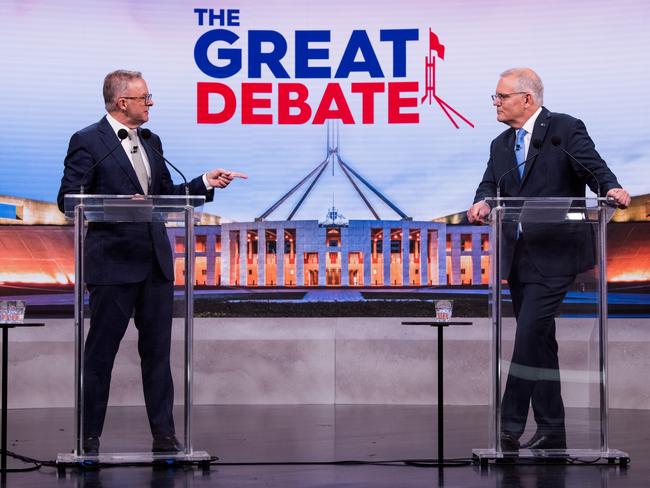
[
  {"x": 540, "y": 266},
  {"x": 129, "y": 268}
]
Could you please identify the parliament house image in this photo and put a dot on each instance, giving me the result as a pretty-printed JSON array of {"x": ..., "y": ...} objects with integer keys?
[
  {"x": 37, "y": 245},
  {"x": 361, "y": 253}
]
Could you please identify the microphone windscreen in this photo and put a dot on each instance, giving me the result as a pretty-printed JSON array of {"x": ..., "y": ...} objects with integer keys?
[
  {"x": 536, "y": 143},
  {"x": 122, "y": 134},
  {"x": 145, "y": 134},
  {"x": 556, "y": 140}
]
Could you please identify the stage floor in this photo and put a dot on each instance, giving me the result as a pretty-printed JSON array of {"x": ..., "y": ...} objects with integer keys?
[{"x": 315, "y": 434}]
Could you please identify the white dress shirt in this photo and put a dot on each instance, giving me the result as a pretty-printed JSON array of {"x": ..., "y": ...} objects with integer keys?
[{"x": 129, "y": 144}]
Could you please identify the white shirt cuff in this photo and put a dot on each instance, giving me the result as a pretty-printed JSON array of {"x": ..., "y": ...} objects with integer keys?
[{"x": 205, "y": 182}]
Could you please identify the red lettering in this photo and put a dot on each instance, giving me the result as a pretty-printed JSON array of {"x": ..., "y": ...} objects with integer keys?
[
  {"x": 293, "y": 105},
  {"x": 324, "y": 111},
  {"x": 286, "y": 103},
  {"x": 368, "y": 91},
  {"x": 203, "y": 92},
  {"x": 249, "y": 103},
  {"x": 396, "y": 102}
]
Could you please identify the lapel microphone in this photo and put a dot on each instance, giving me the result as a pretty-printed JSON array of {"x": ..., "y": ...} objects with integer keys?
[{"x": 134, "y": 143}]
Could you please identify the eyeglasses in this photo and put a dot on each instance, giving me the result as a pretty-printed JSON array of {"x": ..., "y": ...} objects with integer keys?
[
  {"x": 145, "y": 98},
  {"x": 504, "y": 96}
]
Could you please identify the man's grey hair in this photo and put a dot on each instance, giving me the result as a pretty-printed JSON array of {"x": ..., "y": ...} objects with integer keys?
[
  {"x": 527, "y": 81},
  {"x": 115, "y": 85}
]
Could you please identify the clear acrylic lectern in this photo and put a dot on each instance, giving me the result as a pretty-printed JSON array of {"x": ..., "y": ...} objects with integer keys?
[
  {"x": 171, "y": 210},
  {"x": 556, "y": 225}
]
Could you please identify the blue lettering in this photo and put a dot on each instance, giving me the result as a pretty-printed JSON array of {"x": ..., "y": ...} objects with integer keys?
[
  {"x": 359, "y": 42},
  {"x": 272, "y": 59},
  {"x": 269, "y": 47},
  {"x": 304, "y": 54},
  {"x": 233, "y": 56},
  {"x": 222, "y": 17},
  {"x": 201, "y": 12},
  {"x": 233, "y": 17},
  {"x": 399, "y": 37}
]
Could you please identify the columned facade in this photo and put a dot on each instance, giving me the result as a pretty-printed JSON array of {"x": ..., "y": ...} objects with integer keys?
[{"x": 360, "y": 253}]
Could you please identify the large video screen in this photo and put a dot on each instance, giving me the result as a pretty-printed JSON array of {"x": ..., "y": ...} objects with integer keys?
[
  {"x": 399, "y": 91},
  {"x": 251, "y": 86}
]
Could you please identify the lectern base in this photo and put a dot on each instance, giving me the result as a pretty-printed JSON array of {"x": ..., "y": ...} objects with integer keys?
[
  {"x": 570, "y": 456},
  {"x": 70, "y": 460}
]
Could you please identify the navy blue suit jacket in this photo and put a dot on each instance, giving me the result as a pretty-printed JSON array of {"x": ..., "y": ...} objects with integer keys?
[
  {"x": 120, "y": 252},
  {"x": 556, "y": 250}
]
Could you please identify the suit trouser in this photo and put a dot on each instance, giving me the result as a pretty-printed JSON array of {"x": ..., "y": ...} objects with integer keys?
[
  {"x": 534, "y": 375},
  {"x": 111, "y": 307}
]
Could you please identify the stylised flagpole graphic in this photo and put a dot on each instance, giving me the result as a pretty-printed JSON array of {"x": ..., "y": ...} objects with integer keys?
[
  {"x": 430, "y": 79},
  {"x": 434, "y": 45},
  {"x": 333, "y": 156}
]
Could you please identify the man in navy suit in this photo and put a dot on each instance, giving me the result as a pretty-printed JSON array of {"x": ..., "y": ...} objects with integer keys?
[
  {"x": 129, "y": 268},
  {"x": 540, "y": 264}
]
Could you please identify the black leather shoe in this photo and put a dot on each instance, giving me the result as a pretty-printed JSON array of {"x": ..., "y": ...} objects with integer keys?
[
  {"x": 90, "y": 446},
  {"x": 509, "y": 443},
  {"x": 168, "y": 444},
  {"x": 545, "y": 441}
]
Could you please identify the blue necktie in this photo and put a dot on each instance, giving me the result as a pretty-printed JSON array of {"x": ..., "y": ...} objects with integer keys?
[{"x": 520, "y": 150}]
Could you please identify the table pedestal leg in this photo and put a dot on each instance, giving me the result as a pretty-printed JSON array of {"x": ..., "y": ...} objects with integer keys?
[
  {"x": 5, "y": 364},
  {"x": 441, "y": 433}
]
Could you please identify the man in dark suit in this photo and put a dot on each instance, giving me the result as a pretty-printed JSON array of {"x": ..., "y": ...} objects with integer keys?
[
  {"x": 128, "y": 266},
  {"x": 540, "y": 262}
]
